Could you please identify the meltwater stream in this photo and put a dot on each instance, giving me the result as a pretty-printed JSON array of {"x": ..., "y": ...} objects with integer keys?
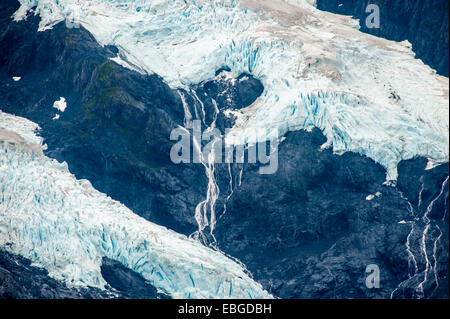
[
  {"x": 422, "y": 244},
  {"x": 205, "y": 211}
]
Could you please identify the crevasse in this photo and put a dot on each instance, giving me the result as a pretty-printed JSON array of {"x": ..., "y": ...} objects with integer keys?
[
  {"x": 368, "y": 95},
  {"x": 67, "y": 227}
]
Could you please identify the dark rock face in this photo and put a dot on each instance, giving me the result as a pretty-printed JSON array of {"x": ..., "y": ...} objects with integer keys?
[
  {"x": 428, "y": 195},
  {"x": 307, "y": 231},
  {"x": 126, "y": 282},
  {"x": 239, "y": 93},
  {"x": 19, "y": 280},
  {"x": 423, "y": 23}
]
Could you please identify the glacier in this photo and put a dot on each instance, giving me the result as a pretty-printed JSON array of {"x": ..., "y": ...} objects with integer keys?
[
  {"x": 66, "y": 226},
  {"x": 368, "y": 95}
]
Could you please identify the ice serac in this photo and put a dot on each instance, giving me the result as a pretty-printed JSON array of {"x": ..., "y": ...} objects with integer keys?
[
  {"x": 65, "y": 226},
  {"x": 368, "y": 95}
]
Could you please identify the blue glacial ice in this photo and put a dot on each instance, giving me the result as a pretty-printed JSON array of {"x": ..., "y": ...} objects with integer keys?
[
  {"x": 368, "y": 95},
  {"x": 65, "y": 226}
]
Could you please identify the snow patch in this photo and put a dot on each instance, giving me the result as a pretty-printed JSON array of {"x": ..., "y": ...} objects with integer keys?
[
  {"x": 372, "y": 196},
  {"x": 61, "y": 104}
]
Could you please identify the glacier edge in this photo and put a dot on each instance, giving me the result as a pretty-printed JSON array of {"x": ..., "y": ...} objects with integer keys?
[{"x": 368, "y": 95}]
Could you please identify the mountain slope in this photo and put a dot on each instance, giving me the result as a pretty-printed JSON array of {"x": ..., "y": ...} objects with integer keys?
[{"x": 307, "y": 231}]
